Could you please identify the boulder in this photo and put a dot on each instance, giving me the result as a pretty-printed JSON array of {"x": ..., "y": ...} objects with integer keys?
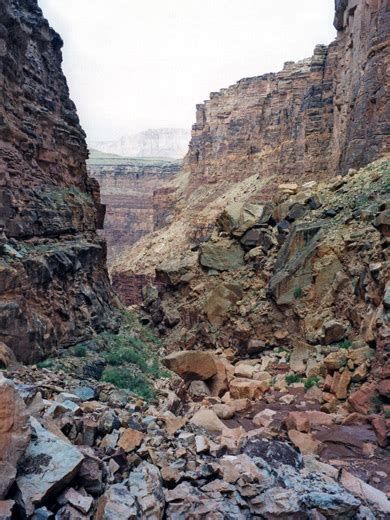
[
  {"x": 241, "y": 388},
  {"x": 47, "y": 466},
  {"x": 191, "y": 364},
  {"x": 368, "y": 493},
  {"x": 305, "y": 421},
  {"x": 334, "y": 331},
  {"x": 305, "y": 442},
  {"x": 174, "y": 272},
  {"x": 7, "y": 357},
  {"x": 363, "y": 399},
  {"x": 220, "y": 301},
  {"x": 300, "y": 355},
  {"x": 14, "y": 433},
  {"x": 130, "y": 440},
  {"x": 117, "y": 503},
  {"x": 336, "y": 360},
  {"x": 224, "y": 255},
  {"x": 208, "y": 420},
  {"x": 255, "y": 346},
  {"x": 145, "y": 486}
]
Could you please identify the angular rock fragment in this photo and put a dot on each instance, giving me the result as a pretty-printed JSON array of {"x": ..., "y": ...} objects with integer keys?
[
  {"x": 14, "y": 433},
  {"x": 47, "y": 466},
  {"x": 191, "y": 364}
]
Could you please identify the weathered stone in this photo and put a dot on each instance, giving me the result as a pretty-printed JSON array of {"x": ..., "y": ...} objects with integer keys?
[
  {"x": 363, "y": 399},
  {"x": 221, "y": 301},
  {"x": 198, "y": 389},
  {"x": 341, "y": 387},
  {"x": 191, "y": 364},
  {"x": 208, "y": 420},
  {"x": 6, "y": 507},
  {"x": 130, "y": 440},
  {"x": 117, "y": 503},
  {"x": 305, "y": 442},
  {"x": 7, "y": 357},
  {"x": 35, "y": 482},
  {"x": 241, "y": 388},
  {"x": 300, "y": 355},
  {"x": 14, "y": 433},
  {"x": 79, "y": 501},
  {"x": 334, "y": 331},
  {"x": 255, "y": 346},
  {"x": 146, "y": 487},
  {"x": 221, "y": 256},
  {"x": 364, "y": 491},
  {"x": 335, "y": 360}
]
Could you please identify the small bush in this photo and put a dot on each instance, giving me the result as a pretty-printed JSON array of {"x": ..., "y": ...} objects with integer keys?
[
  {"x": 123, "y": 378},
  {"x": 46, "y": 363},
  {"x": 297, "y": 292},
  {"x": 292, "y": 378},
  {"x": 126, "y": 355},
  {"x": 387, "y": 414},
  {"x": 80, "y": 350},
  {"x": 346, "y": 343},
  {"x": 311, "y": 381}
]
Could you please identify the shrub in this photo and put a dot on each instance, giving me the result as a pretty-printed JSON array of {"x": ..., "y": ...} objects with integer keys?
[
  {"x": 123, "y": 378},
  {"x": 346, "y": 343},
  {"x": 297, "y": 292},
  {"x": 311, "y": 381},
  {"x": 292, "y": 378},
  {"x": 46, "y": 363},
  {"x": 80, "y": 350}
]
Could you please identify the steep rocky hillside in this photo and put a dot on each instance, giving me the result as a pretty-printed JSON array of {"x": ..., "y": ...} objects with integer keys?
[
  {"x": 312, "y": 121},
  {"x": 171, "y": 143},
  {"x": 54, "y": 285},
  {"x": 138, "y": 195}
]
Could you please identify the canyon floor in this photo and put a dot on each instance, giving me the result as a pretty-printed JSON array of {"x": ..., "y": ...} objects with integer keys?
[{"x": 281, "y": 429}]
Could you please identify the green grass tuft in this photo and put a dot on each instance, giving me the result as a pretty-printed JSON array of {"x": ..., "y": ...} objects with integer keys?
[
  {"x": 123, "y": 378},
  {"x": 292, "y": 378},
  {"x": 311, "y": 381}
]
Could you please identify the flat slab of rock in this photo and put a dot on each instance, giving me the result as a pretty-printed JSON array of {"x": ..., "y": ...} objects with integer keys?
[
  {"x": 14, "y": 433},
  {"x": 47, "y": 466},
  {"x": 191, "y": 364}
]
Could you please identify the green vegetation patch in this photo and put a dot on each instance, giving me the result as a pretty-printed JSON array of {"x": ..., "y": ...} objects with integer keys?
[
  {"x": 311, "y": 381},
  {"x": 292, "y": 378},
  {"x": 124, "y": 378}
]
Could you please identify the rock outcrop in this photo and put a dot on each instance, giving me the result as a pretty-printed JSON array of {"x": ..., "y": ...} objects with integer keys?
[
  {"x": 53, "y": 279},
  {"x": 315, "y": 119},
  {"x": 138, "y": 195}
]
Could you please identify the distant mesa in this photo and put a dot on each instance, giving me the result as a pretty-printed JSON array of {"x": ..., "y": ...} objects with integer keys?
[{"x": 162, "y": 142}]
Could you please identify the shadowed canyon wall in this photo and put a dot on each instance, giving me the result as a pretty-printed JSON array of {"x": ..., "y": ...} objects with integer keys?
[
  {"x": 54, "y": 285},
  {"x": 315, "y": 119}
]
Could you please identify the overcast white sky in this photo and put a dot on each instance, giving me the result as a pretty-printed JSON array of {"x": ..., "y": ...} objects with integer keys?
[{"x": 138, "y": 64}]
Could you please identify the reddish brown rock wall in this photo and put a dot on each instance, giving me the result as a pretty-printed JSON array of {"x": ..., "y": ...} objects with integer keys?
[
  {"x": 54, "y": 285},
  {"x": 316, "y": 118},
  {"x": 138, "y": 199}
]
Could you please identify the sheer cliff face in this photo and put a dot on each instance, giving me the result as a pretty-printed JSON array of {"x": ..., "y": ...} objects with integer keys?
[
  {"x": 54, "y": 285},
  {"x": 316, "y": 118}
]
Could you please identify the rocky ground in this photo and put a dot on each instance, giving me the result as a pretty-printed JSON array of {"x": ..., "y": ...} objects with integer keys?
[{"x": 273, "y": 399}]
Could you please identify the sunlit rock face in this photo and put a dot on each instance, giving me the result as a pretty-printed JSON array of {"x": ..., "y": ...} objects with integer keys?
[
  {"x": 317, "y": 117},
  {"x": 54, "y": 285}
]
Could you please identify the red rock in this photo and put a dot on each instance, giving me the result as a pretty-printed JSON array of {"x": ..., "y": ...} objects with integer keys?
[
  {"x": 305, "y": 442},
  {"x": 384, "y": 388},
  {"x": 381, "y": 429},
  {"x": 130, "y": 440},
  {"x": 191, "y": 364},
  {"x": 363, "y": 400},
  {"x": 14, "y": 433}
]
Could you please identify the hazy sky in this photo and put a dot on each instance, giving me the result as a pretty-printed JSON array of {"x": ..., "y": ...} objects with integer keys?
[{"x": 138, "y": 64}]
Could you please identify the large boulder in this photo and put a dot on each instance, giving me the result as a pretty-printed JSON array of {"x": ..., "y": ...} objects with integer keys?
[
  {"x": 175, "y": 271},
  {"x": 117, "y": 503},
  {"x": 47, "y": 466},
  {"x": 220, "y": 301},
  {"x": 191, "y": 364},
  {"x": 14, "y": 433},
  {"x": 223, "y": 255},
  {"x": 238, "y": 218}
]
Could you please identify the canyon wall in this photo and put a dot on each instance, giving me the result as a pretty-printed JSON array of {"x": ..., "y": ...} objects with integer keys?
[
  {"x": 54, "y": 284},
  {"x": 156, "y": 142},
  {"x": 316, "y": 118},
  {"x": 138, "y": 196}
]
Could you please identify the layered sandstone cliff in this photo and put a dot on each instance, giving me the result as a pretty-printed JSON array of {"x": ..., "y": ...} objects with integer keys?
[
  {"x": 54, "y": 285},
  {"x": 138, "y": 195},
  {"x": 315, "y": 119}
]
